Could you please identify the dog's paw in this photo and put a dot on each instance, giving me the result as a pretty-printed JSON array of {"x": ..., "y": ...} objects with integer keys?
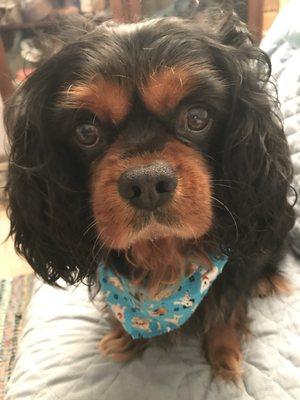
[
  {"x": 227, "y": 364},
  {"x": 273, "y": 285},
  {"x": 119, "y": 346},
  {"x": 223, "y": 349}
]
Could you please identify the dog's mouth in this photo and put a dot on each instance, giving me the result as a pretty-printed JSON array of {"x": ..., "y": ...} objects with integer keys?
[
  {"x": 147, "y": 218},
  {"x": 148, "y": 225},
  {"x": 155, "y": 225}
]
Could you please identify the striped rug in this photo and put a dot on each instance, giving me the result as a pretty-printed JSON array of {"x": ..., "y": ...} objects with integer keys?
[{"x": 14, "y": 297}]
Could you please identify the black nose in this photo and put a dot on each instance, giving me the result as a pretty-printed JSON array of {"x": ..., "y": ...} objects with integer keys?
[{"x": 148, "y": 187}]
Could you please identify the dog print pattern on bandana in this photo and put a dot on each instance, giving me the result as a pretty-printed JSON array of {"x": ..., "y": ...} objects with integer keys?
[{"x": 146, "y": 318}]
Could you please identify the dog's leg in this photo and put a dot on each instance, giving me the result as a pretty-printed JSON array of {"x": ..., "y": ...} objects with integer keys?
[
  {"x": 222, "y": 344},
  {"x": 222, "y": 337},
  {"x": 222, "y": 348},
  {"x": 118, "y": 345}
]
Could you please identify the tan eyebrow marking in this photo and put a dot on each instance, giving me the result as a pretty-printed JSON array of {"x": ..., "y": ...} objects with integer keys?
[
  {"x": 166, "y": 88},
  {"x": 108, "y": 100}
]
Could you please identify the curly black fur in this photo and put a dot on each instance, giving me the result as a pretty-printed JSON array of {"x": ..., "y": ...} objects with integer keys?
[{"x": 48, "y": 182}]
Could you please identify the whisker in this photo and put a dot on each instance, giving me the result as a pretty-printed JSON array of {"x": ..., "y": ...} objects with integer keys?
[
  {"x": 90, "y": 226},
  {"x": 230, "y": 213},
  {"x": 95, "y": 255},
  {"x": 94, "y": 245}
]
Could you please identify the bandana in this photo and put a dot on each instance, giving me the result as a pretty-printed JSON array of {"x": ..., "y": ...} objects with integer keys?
[{"x": 146, "y": 318}]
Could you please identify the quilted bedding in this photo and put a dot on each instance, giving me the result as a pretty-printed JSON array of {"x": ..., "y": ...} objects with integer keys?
[{"x": 58, "y": 357}]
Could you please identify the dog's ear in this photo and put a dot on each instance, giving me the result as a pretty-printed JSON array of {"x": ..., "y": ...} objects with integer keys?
[
  {"x": 232, "y": 31},
  {"x": 48, "y": 207},
  {"x": 252, "y": 150},
  {"x": 224, "y": 25}
]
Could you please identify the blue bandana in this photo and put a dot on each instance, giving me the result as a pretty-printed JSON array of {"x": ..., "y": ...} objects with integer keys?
[{"x": 146, "y": 318}]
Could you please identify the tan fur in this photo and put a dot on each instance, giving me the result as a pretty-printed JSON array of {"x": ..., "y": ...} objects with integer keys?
[
  {"x": 222, "y": 343},
  {"x": 222, "y": 347},
  {"x": 273, "y": 285},
  {"x": 166, "y": 87},
  {"x": 114, "y": 216},
  {"x": 119, "y": 346},
  {"x": 109, "y": 101},
  {"x": 163, "y": 263},
  {"x": 222, "y": 339}
]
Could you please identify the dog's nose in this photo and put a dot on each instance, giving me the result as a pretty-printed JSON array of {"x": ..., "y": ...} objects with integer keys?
[{"x": 148, "y": 187}]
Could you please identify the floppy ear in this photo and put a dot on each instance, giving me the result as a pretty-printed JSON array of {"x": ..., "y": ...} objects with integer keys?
[
  {"x": 252, "y": 155},
  {"x": 46, "y": 188}
]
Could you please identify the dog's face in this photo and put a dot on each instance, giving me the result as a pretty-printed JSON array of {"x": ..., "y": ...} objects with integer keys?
[
  {"x": 137, "y": 133},
  {"x": 143, "y": 118}
]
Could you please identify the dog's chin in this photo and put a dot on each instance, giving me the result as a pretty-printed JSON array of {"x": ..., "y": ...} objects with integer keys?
[{"x": 152, "y": 227}]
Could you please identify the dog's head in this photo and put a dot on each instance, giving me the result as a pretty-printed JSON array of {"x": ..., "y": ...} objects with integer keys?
[{"x": 160, "y": 130}]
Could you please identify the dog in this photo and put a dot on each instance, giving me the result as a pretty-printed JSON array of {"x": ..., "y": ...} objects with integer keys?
[{"x": 146, "y": 146}]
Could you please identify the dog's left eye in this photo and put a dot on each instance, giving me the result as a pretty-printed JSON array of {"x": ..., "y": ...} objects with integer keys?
[
  {"x": 197, "y": 119},
  {"x": 194, "y": 120},
  {"x": 87, "y": 135}
]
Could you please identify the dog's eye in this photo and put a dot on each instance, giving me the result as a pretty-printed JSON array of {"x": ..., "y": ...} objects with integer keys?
[
  {"x": 197, "y": 119},
  {"x": 87, "y": 135},
  {"x": 194, "y": 120}
]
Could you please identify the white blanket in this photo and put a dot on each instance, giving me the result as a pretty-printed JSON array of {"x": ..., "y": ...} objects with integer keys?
[{"x": 59, "y": 360}]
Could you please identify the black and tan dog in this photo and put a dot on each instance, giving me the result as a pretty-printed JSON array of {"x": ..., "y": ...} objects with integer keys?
[{"x": 146, "y": 147}]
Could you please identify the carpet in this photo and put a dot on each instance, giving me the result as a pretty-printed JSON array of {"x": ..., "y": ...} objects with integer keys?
[{"x": 15, "y": 294}]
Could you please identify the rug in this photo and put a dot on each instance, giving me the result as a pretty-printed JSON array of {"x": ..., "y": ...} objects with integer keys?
[{"x": 15, "y": 294}]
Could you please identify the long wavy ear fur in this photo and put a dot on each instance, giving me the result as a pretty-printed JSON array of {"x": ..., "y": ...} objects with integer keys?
[
  {"x": 253, "y": 155},
  {"x": 48, "y": 201}
]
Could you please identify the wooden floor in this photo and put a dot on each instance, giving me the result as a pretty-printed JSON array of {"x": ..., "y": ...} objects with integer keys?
[{"x": 10, "y": 263}]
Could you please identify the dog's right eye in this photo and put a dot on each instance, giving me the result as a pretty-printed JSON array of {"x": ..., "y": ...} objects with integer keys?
[{"x": 88, "y": 135}]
